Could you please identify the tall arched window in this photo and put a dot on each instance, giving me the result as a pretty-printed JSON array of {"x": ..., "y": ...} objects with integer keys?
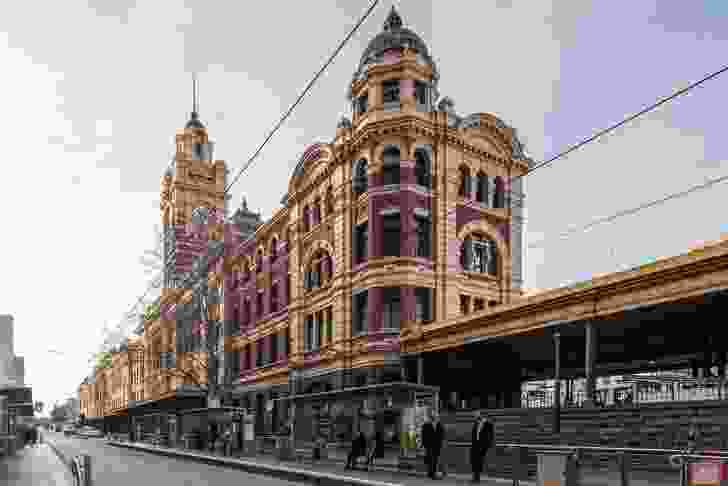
[
  {"x": 319, "y": 271},
  {"x": 329, "y": 201},
  {"x": 479, "y": 254},
  {"x": 481, "y": 194},
  {"x": 273, "y": 249},
  {"x": 361, "y": 177},
  {"x": 390, "y": 159},
  {"x": 499, "y": 199},
  {"x": 259, "y": 261},
  {"x": 306, "y": 219},
  {"x": 422, "y": 168},
  {"x": 316, "y": 211},
  {"x": 465, "y": 182}
]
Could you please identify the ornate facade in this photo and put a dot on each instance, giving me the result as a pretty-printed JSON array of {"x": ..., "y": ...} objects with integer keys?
[{"x": 406, "y": 217}]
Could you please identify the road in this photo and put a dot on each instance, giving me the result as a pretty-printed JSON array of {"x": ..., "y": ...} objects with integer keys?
[{"x": 115, "y": 466}]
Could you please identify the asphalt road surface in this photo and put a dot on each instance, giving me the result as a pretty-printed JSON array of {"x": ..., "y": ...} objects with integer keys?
[{"x": 116, "y": 466}]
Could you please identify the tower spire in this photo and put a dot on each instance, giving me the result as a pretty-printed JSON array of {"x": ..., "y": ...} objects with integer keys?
[
  {"x": 195, "y": 115},
  {"x": 195, "y": 100}
]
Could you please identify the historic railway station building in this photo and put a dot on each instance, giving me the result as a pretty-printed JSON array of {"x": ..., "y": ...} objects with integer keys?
[{"x": 395, "y": 257}]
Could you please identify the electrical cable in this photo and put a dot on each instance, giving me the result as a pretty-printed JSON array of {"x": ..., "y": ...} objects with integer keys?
[
  {"x": 627, "y": 212},
  {"x": 276, "y": 127},
  {"x": 623, "y": 122}
]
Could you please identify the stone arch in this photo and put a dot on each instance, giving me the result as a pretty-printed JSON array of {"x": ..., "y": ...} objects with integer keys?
[
  {"x": 482, "y": 226},
  {"x": 388, "y": 143},
  {"x": 318, "y": 245}
]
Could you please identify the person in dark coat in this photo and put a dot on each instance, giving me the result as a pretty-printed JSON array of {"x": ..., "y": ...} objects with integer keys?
[
  {"x": 358, "y": 448},
  {"x": 481, "y": 441},
  {"x": 433, "y": 435}
]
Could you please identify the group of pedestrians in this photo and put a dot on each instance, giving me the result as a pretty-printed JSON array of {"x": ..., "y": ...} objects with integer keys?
[
  {"x": 433, "y": 439},
  {"x": 33, "y": 436}
]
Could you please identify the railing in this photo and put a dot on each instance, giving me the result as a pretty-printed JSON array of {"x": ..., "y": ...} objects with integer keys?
[
  {"x": 706, "y": 467},
  {"x": 545, "y": 398}
]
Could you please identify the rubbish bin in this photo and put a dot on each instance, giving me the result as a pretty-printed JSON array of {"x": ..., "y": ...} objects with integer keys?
[
  {"x": 556, "y": 468},
  {"x": 708, "y": 472}
]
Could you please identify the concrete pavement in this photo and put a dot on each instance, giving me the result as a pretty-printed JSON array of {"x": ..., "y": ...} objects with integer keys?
[
  {"x": 113, "y": 466},
  {"x": 34, "y": 465},
  {"x": 265, "y": 464}
]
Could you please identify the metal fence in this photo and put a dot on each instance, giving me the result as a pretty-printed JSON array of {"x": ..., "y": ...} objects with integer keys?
[
  {"x": 545, "y": 398},
  {"x": 562, "y": 463}
]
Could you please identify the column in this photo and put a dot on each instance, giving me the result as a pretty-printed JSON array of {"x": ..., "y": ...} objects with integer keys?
[
  {"x": 420, "y": 369},
  {"x": 557, "y": 385},
  {"x": 591, "y": 351},
  {"x": 409, "y": 305},
  {"x": 374, "y": 309}
]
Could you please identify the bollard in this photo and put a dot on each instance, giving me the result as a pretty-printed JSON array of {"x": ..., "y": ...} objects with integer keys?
[
  {"x": 81, "y": 469},
  {"x": 625, "y": 464}
]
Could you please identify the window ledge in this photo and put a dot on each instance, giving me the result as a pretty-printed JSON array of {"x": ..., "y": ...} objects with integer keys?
[{"x": 480, "y": 275}]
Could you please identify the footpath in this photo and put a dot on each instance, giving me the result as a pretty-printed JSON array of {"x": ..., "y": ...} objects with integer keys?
[
  {"x": 333, "y": 472},
  {"x": 324, "y": 471},
  {"x": 34, "y": 465}
]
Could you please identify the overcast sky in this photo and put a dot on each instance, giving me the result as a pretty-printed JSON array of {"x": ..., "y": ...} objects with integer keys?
[{"x": 93, "y": 91}]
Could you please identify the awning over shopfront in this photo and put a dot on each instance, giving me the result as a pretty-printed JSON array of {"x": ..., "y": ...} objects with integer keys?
[{"x": 396, "y": 388}]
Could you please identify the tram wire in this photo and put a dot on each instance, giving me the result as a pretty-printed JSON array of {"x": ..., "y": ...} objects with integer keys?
[
  {"x": 528, "y": 172},
  {"x": 275, "y": 129}
]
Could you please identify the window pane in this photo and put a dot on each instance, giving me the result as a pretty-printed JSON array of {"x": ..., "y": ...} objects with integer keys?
[
  {"x": 391, "y": 175},
  {"x": 390, "y": 91},
  {"x": 391, "y": 235}
]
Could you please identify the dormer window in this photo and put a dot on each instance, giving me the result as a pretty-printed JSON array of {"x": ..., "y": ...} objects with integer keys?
[{"x": 390, "y": 91}]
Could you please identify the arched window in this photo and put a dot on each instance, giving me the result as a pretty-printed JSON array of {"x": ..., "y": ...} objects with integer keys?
[
  {"x": 259, "y": 261},
  {"x": 390, "y": 159},
  {"x": 465, "y": 182},
  {"x": 422, "y": 168},
  {"x": 481, "y": 192},
  {"x": 499, "y": 199},
  {"x": 274, "y": 298},
  {"x": 316, "y": 211},
  {"x": 319, "y": 271},
  {"x": 479, "y": 254},
  {"x": 329, "y": 201},
  {"x": 306, "y": 219},
  {"x": 273, "y": 249},
  {"x": 246, "y": 270},
  {"x": 361, "y": 177}
]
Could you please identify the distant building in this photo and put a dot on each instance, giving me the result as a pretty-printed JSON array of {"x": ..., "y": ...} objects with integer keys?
[{"x": 12, "y": 368}]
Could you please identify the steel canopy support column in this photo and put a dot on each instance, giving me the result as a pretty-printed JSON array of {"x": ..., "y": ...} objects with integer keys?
[
  {"x": 590, "y": 361},
  {"x": 557, "y": 384},
  {"x": 420, "y": 370}
]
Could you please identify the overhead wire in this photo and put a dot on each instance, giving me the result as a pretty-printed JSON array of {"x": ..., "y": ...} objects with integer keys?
[
  {"x": 540, "y": 165},
  {"x": 275, "y": 129}
]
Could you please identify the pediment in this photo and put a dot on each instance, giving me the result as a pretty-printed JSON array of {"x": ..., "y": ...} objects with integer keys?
[{"x": 487, "y": 143}]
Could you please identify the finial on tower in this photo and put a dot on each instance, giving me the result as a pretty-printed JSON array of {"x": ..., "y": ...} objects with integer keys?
[
  {"x": 394, "y": 21},
  {"x": 194, "y": 116}
]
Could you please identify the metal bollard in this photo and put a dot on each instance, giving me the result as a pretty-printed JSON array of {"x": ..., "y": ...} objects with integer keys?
[{"x": 81, "y": 470}]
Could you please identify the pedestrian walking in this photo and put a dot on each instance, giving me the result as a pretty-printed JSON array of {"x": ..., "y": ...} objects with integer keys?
[
  {"x": 358, "y": 448},
  {"x": 482, "y": 440},
  {"x": 433, "y": 435}
]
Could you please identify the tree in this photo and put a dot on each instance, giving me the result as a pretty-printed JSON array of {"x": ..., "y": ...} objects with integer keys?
[{"x": 103, "y": 360}]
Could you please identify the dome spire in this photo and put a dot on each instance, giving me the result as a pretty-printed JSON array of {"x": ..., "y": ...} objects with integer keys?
[{"x": 394, "y": 21}]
